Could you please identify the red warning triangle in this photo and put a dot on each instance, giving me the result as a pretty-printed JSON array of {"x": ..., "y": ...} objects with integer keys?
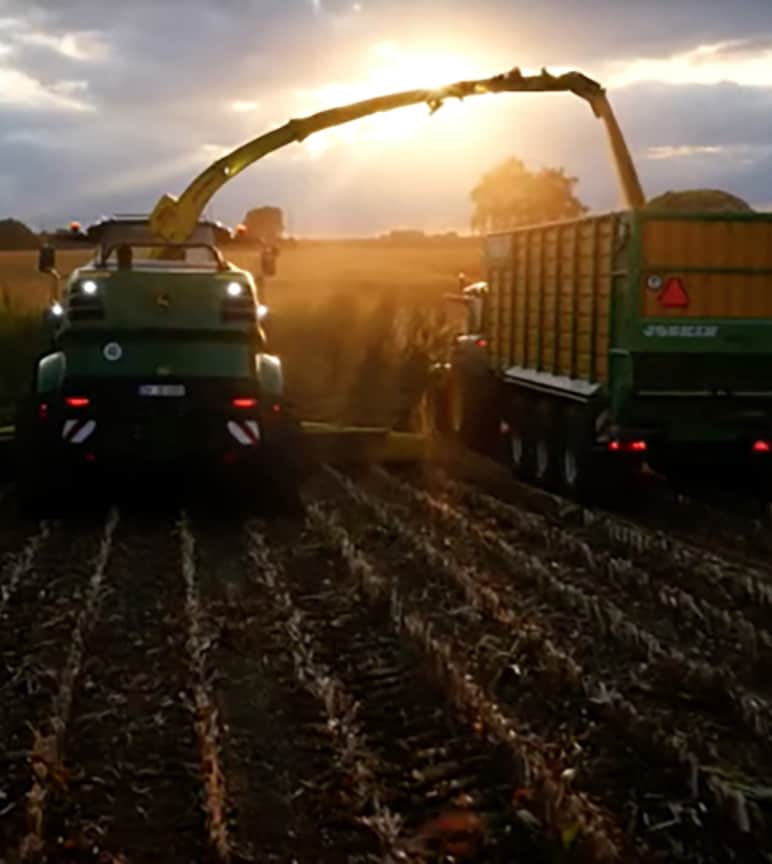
[{"x": 674, "y": 294}]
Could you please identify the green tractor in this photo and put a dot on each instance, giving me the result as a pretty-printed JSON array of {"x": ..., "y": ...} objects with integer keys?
[{"x": 158, "y": 359}]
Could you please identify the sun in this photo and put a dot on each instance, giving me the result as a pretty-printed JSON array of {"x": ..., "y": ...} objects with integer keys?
[{"x": 389, "y": 68}]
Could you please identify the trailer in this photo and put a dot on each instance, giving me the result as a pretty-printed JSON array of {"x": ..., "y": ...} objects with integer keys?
[{"x": 603, "y": 343}]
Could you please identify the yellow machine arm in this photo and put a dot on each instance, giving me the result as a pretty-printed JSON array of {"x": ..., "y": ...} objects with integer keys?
[{"x": 173, "y": 220}]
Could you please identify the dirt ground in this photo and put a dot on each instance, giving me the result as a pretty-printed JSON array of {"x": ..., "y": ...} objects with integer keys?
[
  {"x": 433, "y": 664},
  {"x": 430, "y": 665}
]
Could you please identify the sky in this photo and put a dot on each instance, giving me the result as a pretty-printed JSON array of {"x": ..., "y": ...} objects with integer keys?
[{"x": 104, "y": 106}]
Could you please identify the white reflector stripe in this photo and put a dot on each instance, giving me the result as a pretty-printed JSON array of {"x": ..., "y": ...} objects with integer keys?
[
  {"x": 239, "y": 434},
  {"x": 85, "y": 432},
  {"x": 253, "y": 429},
  {"x": 69, "y": 425}
]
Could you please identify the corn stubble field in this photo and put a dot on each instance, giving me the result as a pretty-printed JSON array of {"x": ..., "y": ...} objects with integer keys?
[{"x": 433, "y": 664}]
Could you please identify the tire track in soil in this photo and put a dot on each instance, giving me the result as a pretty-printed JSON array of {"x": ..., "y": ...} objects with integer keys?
[
  {"x": 47, "y": 756},
  {"x": 130, "y": 743},
  {"x": 674, "y": 658},
  {"x": 716, "y": 532},
  {"x": 623, "y": 727},
  {"x": 287, "y": 797},
  {"x": 206, "y": 723},
  {"x": 651, "y": 593},
  {"x": 49, "y": 579},
  {"x": 436, "y": 772},
  {"x": 711, "y": 570}
]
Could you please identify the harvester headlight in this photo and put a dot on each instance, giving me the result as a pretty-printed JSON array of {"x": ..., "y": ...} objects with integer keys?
[
  {"x": 235, "y": 289},
  {"x": 90, "y": 287},
  {"x": 262, "y": 311},
  {"x": 57, "y": 309}
]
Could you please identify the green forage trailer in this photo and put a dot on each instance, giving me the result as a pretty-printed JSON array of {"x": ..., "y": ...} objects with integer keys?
[{"x": 617, "y": 339}]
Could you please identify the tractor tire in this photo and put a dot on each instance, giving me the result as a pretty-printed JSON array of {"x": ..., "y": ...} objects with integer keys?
[{"x": 472, "y": 412}]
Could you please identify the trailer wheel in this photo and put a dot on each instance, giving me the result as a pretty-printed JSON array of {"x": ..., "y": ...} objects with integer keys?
[
  {"x": 546, "y": 446},
  {"x": 575, "y": 456},
  {"x": 521, "y": 454}
]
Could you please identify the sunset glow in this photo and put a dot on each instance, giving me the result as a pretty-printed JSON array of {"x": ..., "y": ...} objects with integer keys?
[{"x": 388, "y": 69}]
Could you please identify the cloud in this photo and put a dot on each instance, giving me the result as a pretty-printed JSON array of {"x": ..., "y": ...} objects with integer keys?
[
  {"x": 88, "y": 46},
  {"x": 19, "y": 89},
  {"x": 745, "y": 62},
  {"x": 243, "y": 106},
  {"x": 669, "y": 151}
]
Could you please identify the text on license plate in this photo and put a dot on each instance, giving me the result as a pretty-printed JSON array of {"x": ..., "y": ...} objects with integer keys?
[{"x": 167, "y": 390}]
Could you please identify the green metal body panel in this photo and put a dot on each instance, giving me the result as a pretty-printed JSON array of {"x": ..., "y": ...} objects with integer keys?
[
  {"x": 156, "y": 323},
  {"x": 682, "y": 377}
]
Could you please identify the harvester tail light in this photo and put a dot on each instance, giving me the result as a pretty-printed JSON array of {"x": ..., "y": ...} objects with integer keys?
[
  {"x": 78, "y": 401},
  {"x": 627, "y": 446},
  {"x": 481, "y": 343},
  {"x": 762, "y": 447},
  {"x": 244, "y": 402}
]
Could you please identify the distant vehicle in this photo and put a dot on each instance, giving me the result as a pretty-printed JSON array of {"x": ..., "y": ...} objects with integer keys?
[{"x": 158, "y": 359}]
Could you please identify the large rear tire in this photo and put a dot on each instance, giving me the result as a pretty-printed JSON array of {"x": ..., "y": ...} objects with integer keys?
[
  {"x": 472, "y": 414},
  {"x": 289, "y": 465}
]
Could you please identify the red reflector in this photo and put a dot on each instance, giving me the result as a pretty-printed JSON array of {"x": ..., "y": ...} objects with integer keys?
[
  {"x": 90, "y": 457},
  {"x": 481, "y": 343},
  {"x": 614, "y": 446},
  {"x": 244, "y": 403},
  {"x": 43, "y": 411},
  {"x": 674, "y": 294},
  {"x": 78, "y": 401},
  {"x": 229, "y": 458},
  {"x": 762, "y": 447},
  {"x": 638, "y": 446},
  {"x": 276, "y": 408}
]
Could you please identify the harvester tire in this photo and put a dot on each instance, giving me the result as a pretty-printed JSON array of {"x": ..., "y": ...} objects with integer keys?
[{"x": 289, "y": 465}]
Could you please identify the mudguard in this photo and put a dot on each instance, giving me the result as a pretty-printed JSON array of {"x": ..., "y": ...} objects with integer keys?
[
  {"x": 269, "y": 374},
  {"x": 51, "y": 373}
]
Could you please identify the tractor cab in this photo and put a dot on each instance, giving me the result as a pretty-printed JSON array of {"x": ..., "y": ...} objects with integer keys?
[{"x": 466, "y": 312}]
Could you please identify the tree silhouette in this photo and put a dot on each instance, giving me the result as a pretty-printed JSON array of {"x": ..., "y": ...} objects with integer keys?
[{"x": 510, "y": 195}]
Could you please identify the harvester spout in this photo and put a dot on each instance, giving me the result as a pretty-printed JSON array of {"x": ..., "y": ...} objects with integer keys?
[{"x": 173, "y": 220}]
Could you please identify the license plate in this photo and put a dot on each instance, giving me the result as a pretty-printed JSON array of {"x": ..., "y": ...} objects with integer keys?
[{"x": 164, "y": 390}]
